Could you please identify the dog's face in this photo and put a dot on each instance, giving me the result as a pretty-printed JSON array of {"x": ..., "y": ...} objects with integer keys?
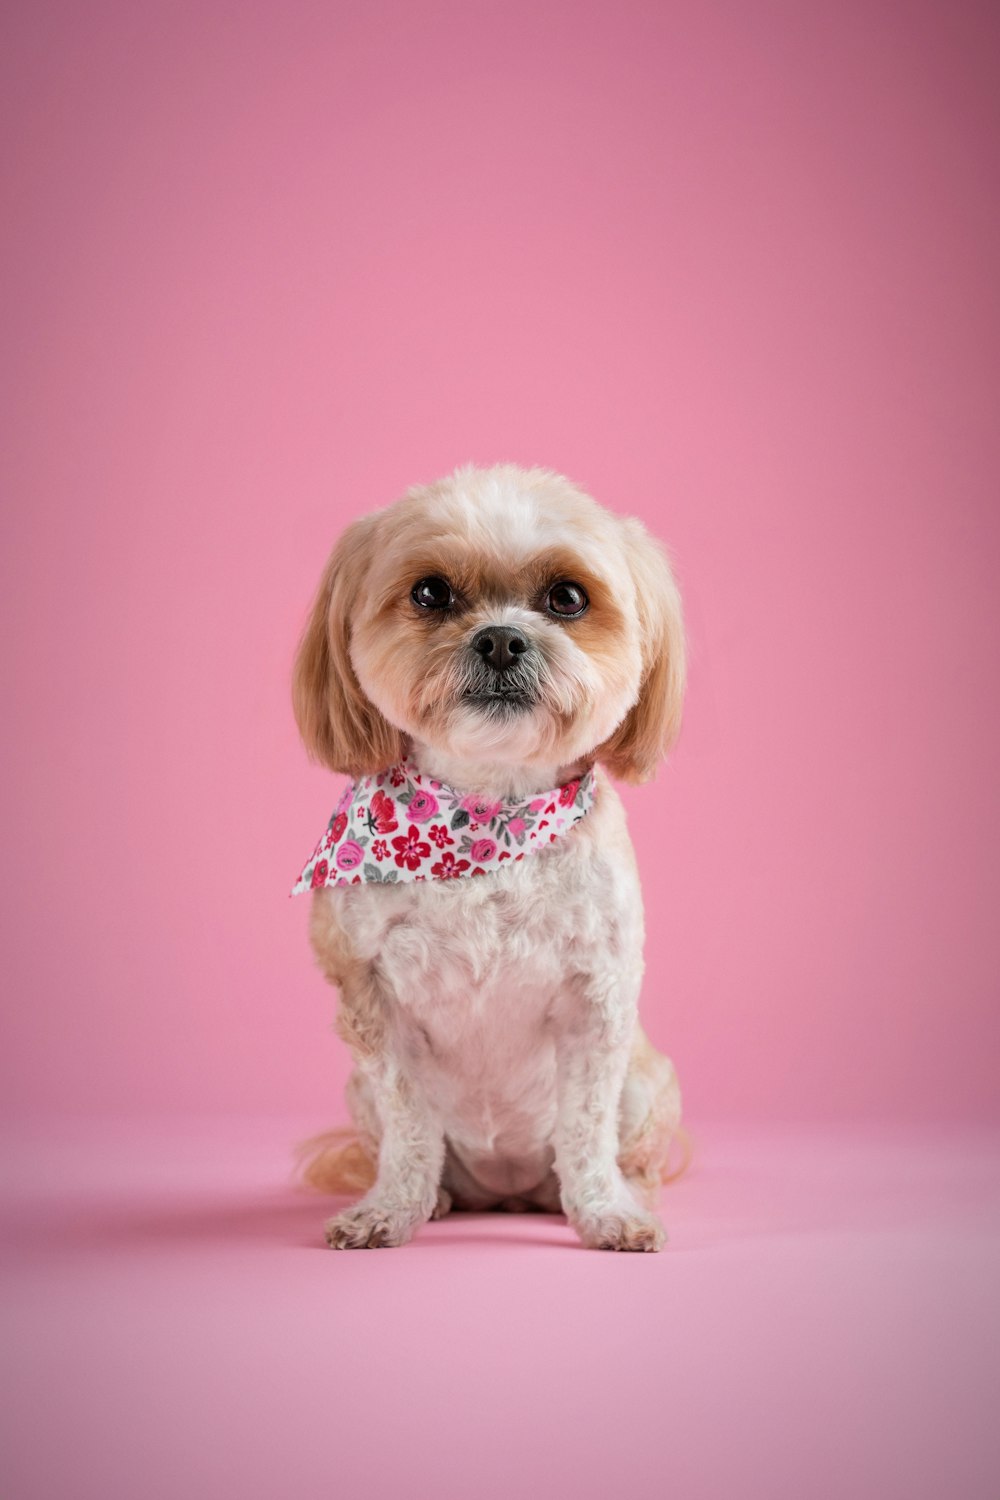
[{"x": 500, "y": 616}]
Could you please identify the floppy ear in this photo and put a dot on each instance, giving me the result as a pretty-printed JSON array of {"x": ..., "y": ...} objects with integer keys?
[
  {"x": 651, "y": 726},
  {"x": 337, "y": 723}
]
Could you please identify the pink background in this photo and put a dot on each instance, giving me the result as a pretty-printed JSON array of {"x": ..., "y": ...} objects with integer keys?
[{"x": 733, "y": 267}]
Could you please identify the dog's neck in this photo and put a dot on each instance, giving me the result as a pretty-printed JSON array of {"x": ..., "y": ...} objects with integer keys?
[{"x": 492, "y": 778}]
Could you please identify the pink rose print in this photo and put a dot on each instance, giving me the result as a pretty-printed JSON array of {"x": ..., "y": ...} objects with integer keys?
[
  {"x": 410, "y": 851},
  {"x": 480, "y": 809},
  {"x": 320, "y": 869},
  {"x": 337, "y": 827},
  {"x": 568, "y": 792},
  {"x": 423, "y": 805},
  {"x": 383, "y": 814},
  {"x": 380, "y": 849},
  {"x": 349, "y": 855},
  {"x": 516, "y": 826},
  {"x": 449, "y": 868},
  {"x": 438, "y": 834},
  {"x": 483, "y": 849}
]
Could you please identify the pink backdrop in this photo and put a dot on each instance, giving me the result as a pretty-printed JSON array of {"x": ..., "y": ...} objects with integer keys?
[
  {"x": 731, "y": 264},
  {"x": 733, "y": 268}
]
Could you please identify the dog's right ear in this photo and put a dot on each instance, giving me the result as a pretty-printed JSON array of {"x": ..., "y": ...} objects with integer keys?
[{"x": 338, "y": 724}]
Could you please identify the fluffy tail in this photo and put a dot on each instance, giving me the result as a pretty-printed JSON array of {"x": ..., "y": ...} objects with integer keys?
[
  {"x": 683, "y": 1155},
  {"x": 335, "y": 1162}
]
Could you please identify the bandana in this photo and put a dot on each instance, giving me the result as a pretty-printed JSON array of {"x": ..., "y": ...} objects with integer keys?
[{"x": 400, "y": 826}]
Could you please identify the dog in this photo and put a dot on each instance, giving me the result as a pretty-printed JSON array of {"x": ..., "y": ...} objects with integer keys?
[{"x": 481, "y": 656}]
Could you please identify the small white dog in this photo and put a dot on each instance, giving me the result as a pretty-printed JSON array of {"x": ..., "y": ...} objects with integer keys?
[{"x": 478, "y": 656}]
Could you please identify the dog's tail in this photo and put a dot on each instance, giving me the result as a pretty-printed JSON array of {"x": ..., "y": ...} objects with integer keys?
[
  {"x": 680, "y": 1154},
  {"x": 335, "y": 1162}
]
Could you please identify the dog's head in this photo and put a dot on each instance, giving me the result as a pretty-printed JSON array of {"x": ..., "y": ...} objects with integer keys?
[{"x": 500, "y": 616}]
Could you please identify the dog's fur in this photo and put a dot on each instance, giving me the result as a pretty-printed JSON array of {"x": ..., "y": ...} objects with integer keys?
[{"x": 498, "y": 1057}]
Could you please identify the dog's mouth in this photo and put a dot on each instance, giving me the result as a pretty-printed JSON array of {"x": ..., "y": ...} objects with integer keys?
[{"x": 504, "y": 699}]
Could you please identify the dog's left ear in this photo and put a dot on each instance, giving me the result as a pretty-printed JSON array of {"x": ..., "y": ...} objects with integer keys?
[{"x": 652, "y": 725}]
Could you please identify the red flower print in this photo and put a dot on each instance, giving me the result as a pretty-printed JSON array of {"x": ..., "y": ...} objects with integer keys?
[
  {"x": 411, "y": 850},
  {"x": 382, "y": 814},
  {"x": 380, "y": 849},
  {"x": 449, "y": 867},
  {"x": 320, "y": 869},
  {"x": 567, "y": 793},
  {"x": 396, "y": 776},
  {"x": 438, "y": 834},
  {"x": 337, "y": 827}
]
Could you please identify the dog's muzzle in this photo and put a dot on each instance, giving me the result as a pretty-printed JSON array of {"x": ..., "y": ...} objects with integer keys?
[{"x": 503, "y": 671}]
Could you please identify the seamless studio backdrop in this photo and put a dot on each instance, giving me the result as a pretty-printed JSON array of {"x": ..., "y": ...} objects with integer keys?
[{"x": 731, "y": 267}]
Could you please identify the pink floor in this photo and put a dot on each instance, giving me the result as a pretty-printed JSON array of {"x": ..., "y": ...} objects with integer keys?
[{"x": 824, "y": 1323}]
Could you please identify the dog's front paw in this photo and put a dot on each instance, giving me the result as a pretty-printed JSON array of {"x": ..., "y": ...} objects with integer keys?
[
  {"x": 370, "y": 1226},
  {"x": 623, "y": 1231}
]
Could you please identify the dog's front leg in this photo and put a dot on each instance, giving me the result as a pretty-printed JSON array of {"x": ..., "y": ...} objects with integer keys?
[
  {"x": 592, "y": 1051},
  {"x": 411, "y": 1156}
]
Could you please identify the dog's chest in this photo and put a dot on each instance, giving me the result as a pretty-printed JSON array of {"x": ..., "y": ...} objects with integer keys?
[
  {"x": 466, "y": 945},
  {"x": 495, "y": 954}
]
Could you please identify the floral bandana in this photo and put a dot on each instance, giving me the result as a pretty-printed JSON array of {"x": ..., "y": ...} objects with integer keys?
[{"x": 400, "y": 826}]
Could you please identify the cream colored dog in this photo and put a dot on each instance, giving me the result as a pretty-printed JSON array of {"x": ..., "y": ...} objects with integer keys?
[{"x": 503, "y": 633}]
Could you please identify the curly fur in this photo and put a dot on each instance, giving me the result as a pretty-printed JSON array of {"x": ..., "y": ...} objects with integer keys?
[{"x": 494, "y": 1023}]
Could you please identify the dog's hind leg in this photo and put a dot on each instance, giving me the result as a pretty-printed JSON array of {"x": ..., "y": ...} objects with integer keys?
[{"x": 649, "y": 1118}]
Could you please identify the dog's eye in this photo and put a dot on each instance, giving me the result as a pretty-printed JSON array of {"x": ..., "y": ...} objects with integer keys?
[
  {"x": 432, "y": 593},
  {"x": 566, "y": 599}
]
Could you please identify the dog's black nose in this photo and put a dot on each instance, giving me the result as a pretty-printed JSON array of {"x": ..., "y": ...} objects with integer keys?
[{"x": 499, "y": 645}]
